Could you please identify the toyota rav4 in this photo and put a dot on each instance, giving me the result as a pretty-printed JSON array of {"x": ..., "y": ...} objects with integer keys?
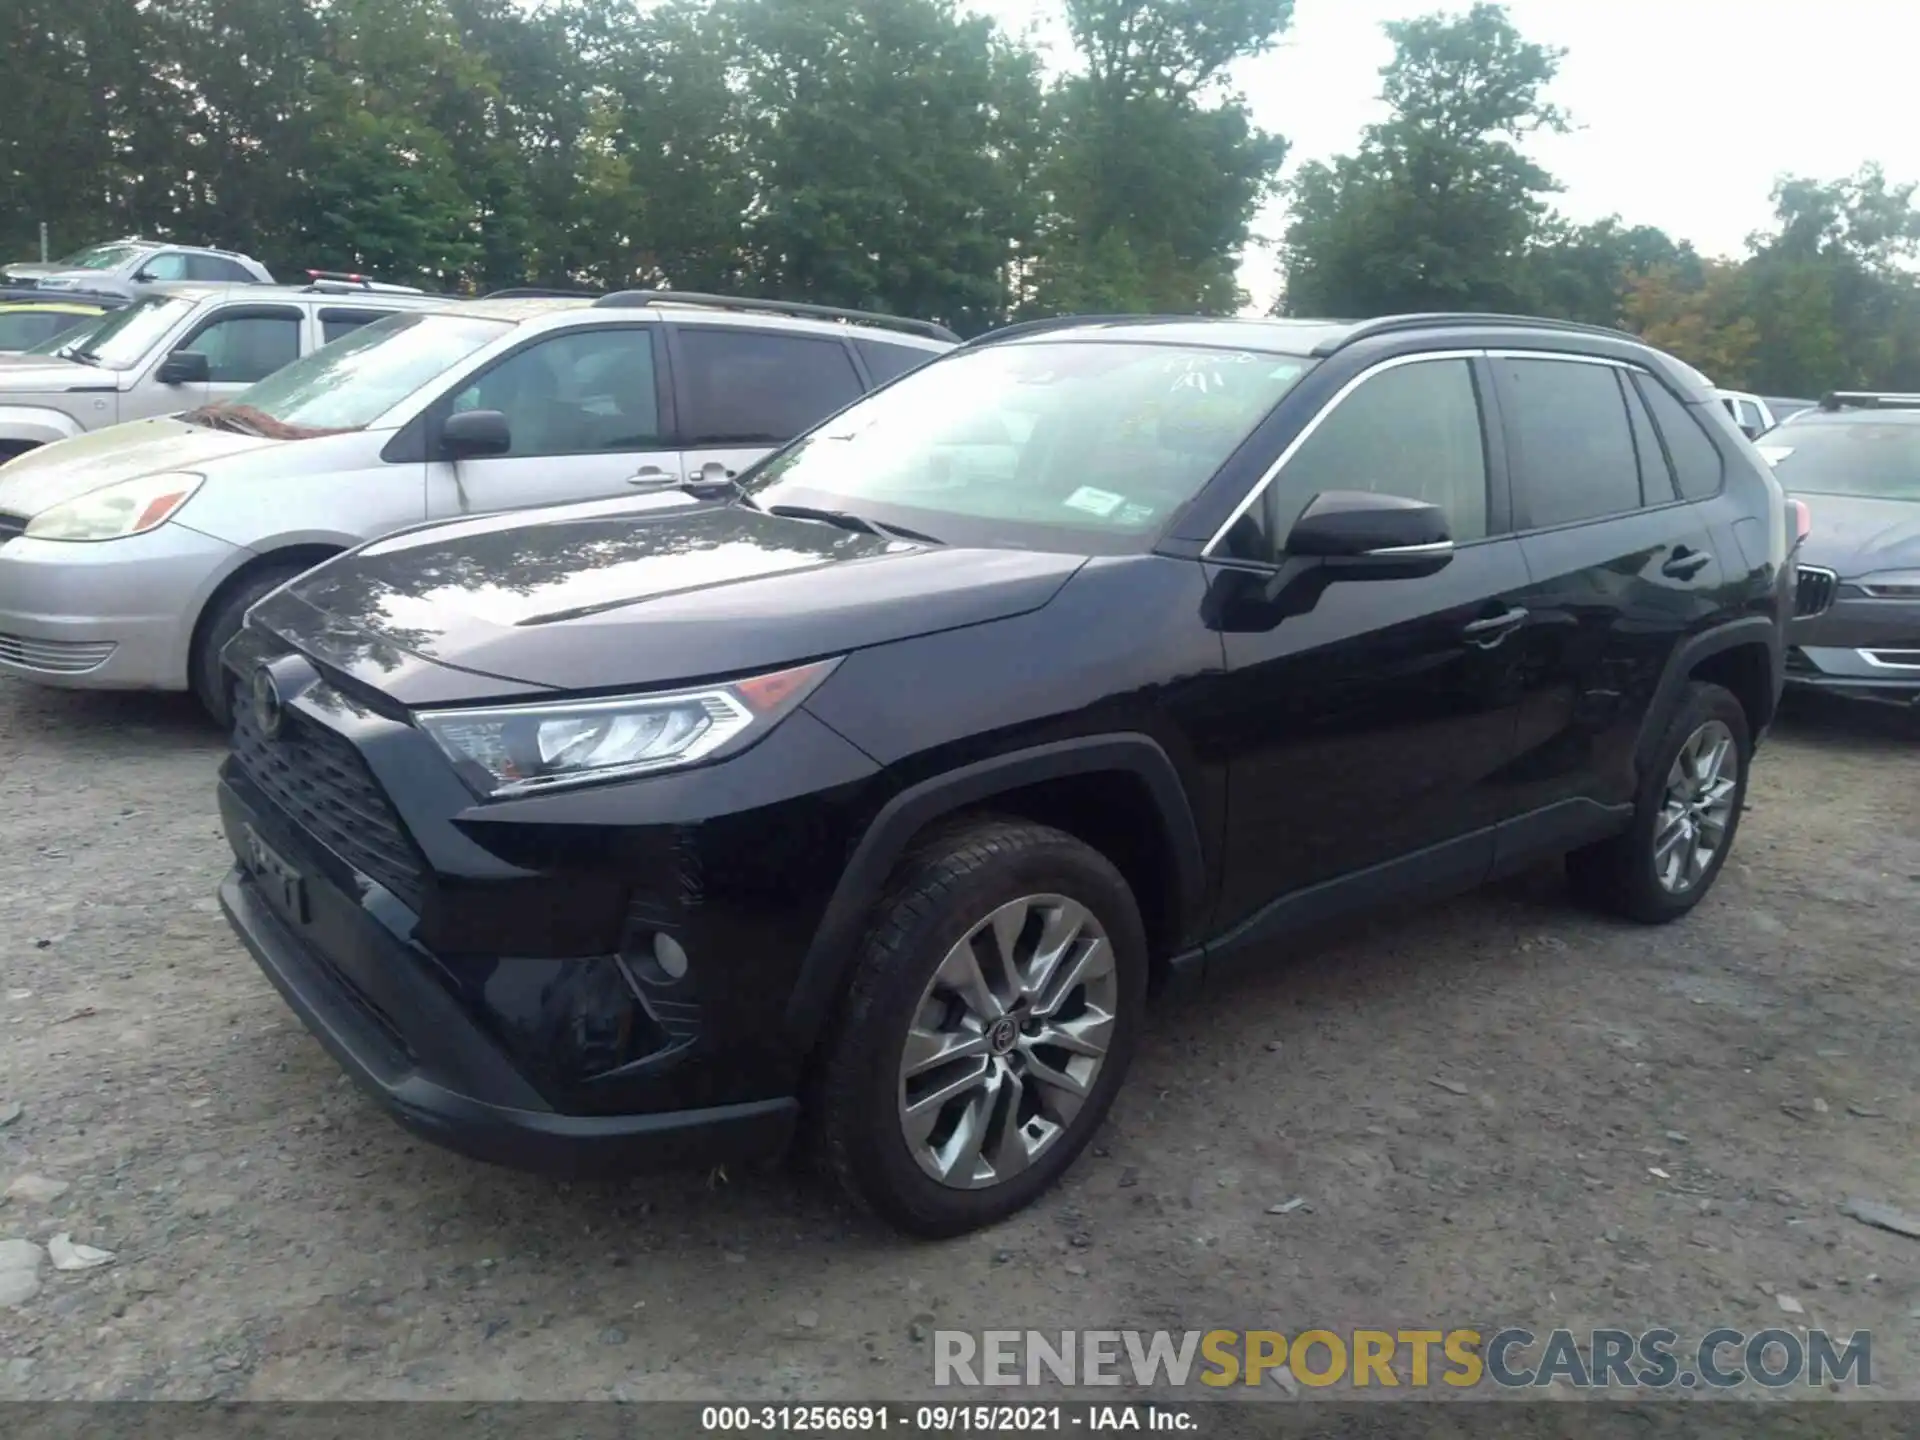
[{"x": 882, "y": 786}]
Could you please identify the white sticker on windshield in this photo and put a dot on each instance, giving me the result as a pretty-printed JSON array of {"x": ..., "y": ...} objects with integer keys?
[
  {"x": 1774, "y": 454},
  {"x": 1094, "y": 502},
  {"x": 1136, "y": 515}
]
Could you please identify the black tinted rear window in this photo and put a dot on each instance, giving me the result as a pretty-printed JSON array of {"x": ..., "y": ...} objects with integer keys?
[{"x": 888, "y": 362}]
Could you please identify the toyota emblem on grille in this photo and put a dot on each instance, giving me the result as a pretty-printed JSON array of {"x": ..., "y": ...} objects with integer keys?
[{"x": 268, "y": 713}]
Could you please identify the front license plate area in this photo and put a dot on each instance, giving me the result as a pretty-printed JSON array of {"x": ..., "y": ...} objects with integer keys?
[{"x": 276, "y": 876}]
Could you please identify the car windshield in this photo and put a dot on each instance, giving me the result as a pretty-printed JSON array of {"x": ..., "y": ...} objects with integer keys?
[
  {"x": 1873, "y": 459},
  {"x": 98, "y": 257},
  {"x": 122, "y": 339},
  {"x": 24, "y": 327},
  {"x": 1071, "y": 445},
  {"x": 358, "y": 378}
]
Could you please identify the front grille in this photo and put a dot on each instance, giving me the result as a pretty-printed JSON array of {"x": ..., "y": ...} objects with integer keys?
[
  {"x": 55, "y": 657},
  {"x": 319, "y": 780},
  {"x": 1815, "y": 591}
]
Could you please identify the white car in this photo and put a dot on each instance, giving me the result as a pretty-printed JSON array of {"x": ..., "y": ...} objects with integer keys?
[{"x": 130, "y": 555}]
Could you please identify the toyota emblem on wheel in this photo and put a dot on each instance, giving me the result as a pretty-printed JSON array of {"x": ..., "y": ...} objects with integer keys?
[{"x": 268, "y": 713}]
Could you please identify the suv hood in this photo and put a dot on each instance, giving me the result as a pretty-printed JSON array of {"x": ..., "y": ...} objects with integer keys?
[
  {"x": 1854, "y": 536},
  {"x": 44, "y": 373},
  {"x": 67, "y": 468},
  {"x": 600, "y": 598}
]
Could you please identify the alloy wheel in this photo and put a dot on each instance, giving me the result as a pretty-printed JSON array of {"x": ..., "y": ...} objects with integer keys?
[
  {"x": 1007, "y": 1041},
  {"x": 1697, "y": 808}
]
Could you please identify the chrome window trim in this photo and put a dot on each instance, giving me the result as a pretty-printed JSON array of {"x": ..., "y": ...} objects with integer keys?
[{"x": 1259, "y": 488}]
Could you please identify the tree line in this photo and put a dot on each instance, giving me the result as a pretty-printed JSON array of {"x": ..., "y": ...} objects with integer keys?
[{"x": 904, "y": 155}]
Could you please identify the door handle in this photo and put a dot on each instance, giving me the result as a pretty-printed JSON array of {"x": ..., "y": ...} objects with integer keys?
[
  {"x": 1490, "y": 632},
  {"x": 650, "y": 475},
  {"x": 1685, "y": 563}
]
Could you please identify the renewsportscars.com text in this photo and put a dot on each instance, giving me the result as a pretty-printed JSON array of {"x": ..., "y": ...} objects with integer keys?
[{"x": 1657, "y": 1359}]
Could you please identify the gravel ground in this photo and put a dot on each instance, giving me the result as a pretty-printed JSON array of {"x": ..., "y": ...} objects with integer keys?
[{"x": 1636, "y": 1127}]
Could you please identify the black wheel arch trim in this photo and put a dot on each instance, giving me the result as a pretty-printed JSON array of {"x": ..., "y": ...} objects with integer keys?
[
  {"x": 831, "y": 952},
  {"x": 1748, "y": 630}
]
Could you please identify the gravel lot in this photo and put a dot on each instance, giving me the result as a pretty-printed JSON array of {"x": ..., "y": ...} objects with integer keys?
[{"x": 277, "y": 1237}]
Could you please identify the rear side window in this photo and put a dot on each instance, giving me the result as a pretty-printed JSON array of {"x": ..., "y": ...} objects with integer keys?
[
  {"x": 335, "y": 323},
  {"x": 1412, "y": 431},
  {"x": 1569, "y": 440},
  {"x": 888, "y": 362},
  {"x": 1696, "y": 459},
  {"x": 216, "y": 268},
  {"x": 756, "y": 387}
]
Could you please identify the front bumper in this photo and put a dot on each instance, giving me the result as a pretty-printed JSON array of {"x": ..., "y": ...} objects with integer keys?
[
  {"x": 406, "y": 1042},
  {"x": 1859, "y": 647},
  {"x": 114, "y": 615}
]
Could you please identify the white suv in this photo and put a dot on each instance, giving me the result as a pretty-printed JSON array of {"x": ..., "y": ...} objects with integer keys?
[
  {"x": 177, "y": 347},
  {"x": 129, "y": 556}
]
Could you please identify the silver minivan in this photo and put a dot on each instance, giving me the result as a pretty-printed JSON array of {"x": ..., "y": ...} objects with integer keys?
[{"x": 128, "y": 557}]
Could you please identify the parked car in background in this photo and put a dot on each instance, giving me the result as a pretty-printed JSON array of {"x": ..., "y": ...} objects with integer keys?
[
  {"x": 915, "y": 747},
  {"x": 128, "y": 557},
  {"x": 27, "y": 323},
  {"x": 128, "y": 266},
  {"x": 1855, "y": 462},
  {"x": 1783, "y": 409},
  {"x": 179, "y": 347},
  {"x": 1749, "y": 412}
]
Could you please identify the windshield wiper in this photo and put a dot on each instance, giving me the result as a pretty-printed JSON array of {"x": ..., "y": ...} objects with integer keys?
[
  {"x": 85, "y": 357},
  {"x": 847, "y": 520}
]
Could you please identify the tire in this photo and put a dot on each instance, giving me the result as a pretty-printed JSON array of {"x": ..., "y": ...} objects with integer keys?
[
  {"x": 210, "y": 683},
  {"x": 944, "y": 893},
  {"x": 1625, "y": 874}
]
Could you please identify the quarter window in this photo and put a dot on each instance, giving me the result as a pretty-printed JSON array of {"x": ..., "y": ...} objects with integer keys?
[
  {"x": 1412, "y": 431},
  {"x": 1696, "y": 459},
  {"x": 888, "y": 362},
  {"x": 1656, "y": 478},
  {"x": 756, "y": 387},
  {"x": 1569, "y": 440},
  {"x": 582, "y": 392}
]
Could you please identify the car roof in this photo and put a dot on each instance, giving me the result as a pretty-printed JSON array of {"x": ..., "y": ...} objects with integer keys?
[
  {"x": 1869, "y": 415},
  {"x": 198, "y": 290},
  {"x": 56, "y": 307},
  {"x": 521, "y": 309}
]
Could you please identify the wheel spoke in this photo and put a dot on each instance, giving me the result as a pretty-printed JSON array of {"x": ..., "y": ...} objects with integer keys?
[
  {"x": 960, "y": 973},
  {"x": 1058, "y": 934},
  {"x": 1093, "y": 962},
  {"x": 1062, "y": 1093},
  {"x": 959, "y": 1157},
  {"x": 927, "y": 1049},
  {"x": 1006, "y": 1147},
  {"x": 1088, "y": 1034},
  {"x": 922, "y": 1113}
]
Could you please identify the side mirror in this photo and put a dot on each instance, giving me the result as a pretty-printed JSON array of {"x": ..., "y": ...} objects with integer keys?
[
  {"x": 1753, "y": 430},
  {"x": 1363, "y": 535},
  {"x": 143, "y": 276},
  {"x": 185, "y": 367},
  {"x": 469, "y": 433}
]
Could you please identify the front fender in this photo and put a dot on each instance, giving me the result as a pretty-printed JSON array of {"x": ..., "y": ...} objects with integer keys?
[{"x": 36, "y": 425}]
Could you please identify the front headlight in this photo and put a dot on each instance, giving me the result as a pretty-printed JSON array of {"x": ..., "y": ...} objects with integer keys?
[
  {"x": 512, "y": 749},
  {"x": 112, "y": 512},
  {"x": 1892, "y": 585}
]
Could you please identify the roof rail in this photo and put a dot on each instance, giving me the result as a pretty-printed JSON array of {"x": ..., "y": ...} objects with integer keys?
[
  {"x": 537, "y": 292},
  {"x": 32, "y": 294},
  {"x": 1868, "y": 400},
  {"x": 636, "y": 299},
  {"x": 1391, "y": 324},
  {"x": 1066, "y": 322}
]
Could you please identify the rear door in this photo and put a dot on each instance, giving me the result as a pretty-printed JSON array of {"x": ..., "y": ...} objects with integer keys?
[
  {"x": 741, "y": 392},
  {"x": 1623, "y": 569},
  {"x": 586, "y": 408}
]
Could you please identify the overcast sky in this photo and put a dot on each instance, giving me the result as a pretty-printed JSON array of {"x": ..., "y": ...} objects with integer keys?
[{"x": 1687, "y": 109}]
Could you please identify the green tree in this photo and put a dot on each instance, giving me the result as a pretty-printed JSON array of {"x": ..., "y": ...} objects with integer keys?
[
  {"x": 1156, "y": 168},
  {"x": 1439, "y": 207}
]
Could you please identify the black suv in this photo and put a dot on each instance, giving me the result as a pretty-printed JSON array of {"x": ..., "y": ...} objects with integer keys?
[{"x": 887, "y": 783}]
